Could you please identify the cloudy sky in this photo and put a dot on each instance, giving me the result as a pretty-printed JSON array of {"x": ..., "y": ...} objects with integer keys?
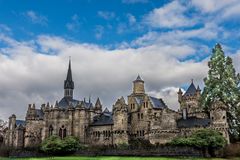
[{"x": 110, "y": 42}]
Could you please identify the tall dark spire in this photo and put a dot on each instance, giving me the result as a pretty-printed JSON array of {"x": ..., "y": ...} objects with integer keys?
[
  {"x": 68, "y": 83},
  {"x": 69, "y": 73}
]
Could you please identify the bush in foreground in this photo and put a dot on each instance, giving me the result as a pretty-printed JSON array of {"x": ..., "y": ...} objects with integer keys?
[
  {"x": 55, "y": 145},
  {"x": 205, "y": 139}
]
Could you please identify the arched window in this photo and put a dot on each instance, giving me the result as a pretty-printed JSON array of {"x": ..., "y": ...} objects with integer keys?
[
  {"x": 141, "y": 115},
  {"x": 50, "y": 130},
  {"x": 62, "y": 132}
]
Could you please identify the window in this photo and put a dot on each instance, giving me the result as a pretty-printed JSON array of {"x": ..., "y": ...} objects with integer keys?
[
  {"x": 146, "y": 104},
  {"x": 138, "y": 115},
  {"x": 62, "y": 132},
  {"x": 185, "y": 113},
  {"x": 50, "y": 130},
  {"x": 141, "y": 115}
]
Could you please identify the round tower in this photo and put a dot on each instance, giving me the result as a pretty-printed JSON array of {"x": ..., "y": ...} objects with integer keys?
[{"x": 138, "y": 86}]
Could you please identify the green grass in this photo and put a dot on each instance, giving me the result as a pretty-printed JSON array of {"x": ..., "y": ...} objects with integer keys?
[{"x": 110, "y": 158}]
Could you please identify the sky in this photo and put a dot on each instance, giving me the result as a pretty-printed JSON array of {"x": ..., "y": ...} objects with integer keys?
[{"x": 110, "y": 42}]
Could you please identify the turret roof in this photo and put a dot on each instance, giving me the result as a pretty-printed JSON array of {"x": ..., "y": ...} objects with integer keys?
[
  {"x": 139, "y": 79},
  {"x": 68, "y": 83},
  {"x": 191, "y": 89}
]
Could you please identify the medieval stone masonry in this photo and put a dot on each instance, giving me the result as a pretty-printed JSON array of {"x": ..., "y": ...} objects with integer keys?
[{"x": 142, "y": 116}]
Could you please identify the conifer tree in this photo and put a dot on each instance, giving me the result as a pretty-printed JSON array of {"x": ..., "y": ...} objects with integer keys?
[{"x": 222, "y": 85}]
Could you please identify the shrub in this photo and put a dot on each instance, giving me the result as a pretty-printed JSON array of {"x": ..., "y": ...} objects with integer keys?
[
  {"x": 55, "y": 145},
  {"x": 205, "y": 139},
  {"x": 70, "y": 144},
  {"x": 52, "y": 145}
]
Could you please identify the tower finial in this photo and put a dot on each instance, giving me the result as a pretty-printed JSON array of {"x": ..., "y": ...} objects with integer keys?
[{"x": 192, "y": 80}]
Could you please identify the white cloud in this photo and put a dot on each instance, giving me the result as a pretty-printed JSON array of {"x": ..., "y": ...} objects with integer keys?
[
  {"x": 4, "y": 28},
  {"x": 36, "y": 18},
  {"x": 74, "y": 25},
  {"x": 106, "y": 15},
  {"x": 170, "y": 15},
  {"x": 168, "y": 94},
  {"x": 131, "y": 19},
  {"x": 208, "y": 6},
  {"x": 99, "y": 30},
  {"x": 231, "y": 11},
  {"x": 30, "y": 75}
]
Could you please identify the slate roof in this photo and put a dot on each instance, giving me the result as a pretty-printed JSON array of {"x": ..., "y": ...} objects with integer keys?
[
  {"x": 139, "y": 100},
  {"x": 139, "y": 79},
  {"x": 68, "y": 83},
  {"x": 157, "y": 103},
  {"x": 193, "y": 122},
  {"x": 191, "y": 90},
  {"x": 65, "y": 102},
  {"x": 20, "y": 122},
  {"x": 105, "y": 118}
]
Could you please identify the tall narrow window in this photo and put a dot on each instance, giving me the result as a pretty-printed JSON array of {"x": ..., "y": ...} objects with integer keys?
[
  {"x": 62, "y": 132},
  {"x": 185, "y": 113},
  {"x": 50, "y": 130},
  {"x": 141, "y": 115}
]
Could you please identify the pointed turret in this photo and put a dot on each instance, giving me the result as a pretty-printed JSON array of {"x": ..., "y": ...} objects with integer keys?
[
  {"x": 98, "y": 106},
  {"x": 68, "y": 83},
  {"x": 191, "y": 90},
  {"x": 138, "y": 86},
  {"x": 106, "y": 110}
]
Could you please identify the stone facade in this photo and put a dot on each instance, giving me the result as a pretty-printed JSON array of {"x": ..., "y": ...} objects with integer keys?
[{"x": 142, "y": 116}]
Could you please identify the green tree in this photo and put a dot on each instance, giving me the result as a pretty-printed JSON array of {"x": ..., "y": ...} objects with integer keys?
[
  {"x": 205, "y": 139},
  {"x": 222, "y": 85}
]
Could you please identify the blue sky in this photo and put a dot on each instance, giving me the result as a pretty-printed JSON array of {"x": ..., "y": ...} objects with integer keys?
[
  {"x": 167, "y": 42},
  {"x": 78, "y": 20}
]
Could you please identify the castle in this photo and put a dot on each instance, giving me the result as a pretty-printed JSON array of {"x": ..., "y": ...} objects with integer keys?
[{"x": 142, "y": 116}]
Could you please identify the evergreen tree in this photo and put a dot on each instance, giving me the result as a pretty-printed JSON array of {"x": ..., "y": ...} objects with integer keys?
[{"x": 222, "y": 85}]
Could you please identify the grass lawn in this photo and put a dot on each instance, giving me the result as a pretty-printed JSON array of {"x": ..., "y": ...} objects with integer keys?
[{"x": 111, "y": 158}]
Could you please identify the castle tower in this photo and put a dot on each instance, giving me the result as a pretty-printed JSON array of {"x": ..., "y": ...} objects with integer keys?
[
  {"x": 218, "y": 116},
  {"x": 120, "y": 121},
  {"x": 68, "y": 83},
  {"x": 138, "y": 86},
  {"x": 98, "y": 106},
  {"x": 189, "y": 101}
]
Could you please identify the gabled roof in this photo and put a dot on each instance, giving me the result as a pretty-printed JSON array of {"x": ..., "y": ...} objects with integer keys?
[
  {"x": 191, "y": 90},
  {"x": 20, "y": 122},
  {"x": 157, "y": 103},
  {"x": 103, "y": 119},
  {"x": 191, "y": 122},
  {"x": 139, "y": 100},
  {"x": 106, "y": 110}
]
